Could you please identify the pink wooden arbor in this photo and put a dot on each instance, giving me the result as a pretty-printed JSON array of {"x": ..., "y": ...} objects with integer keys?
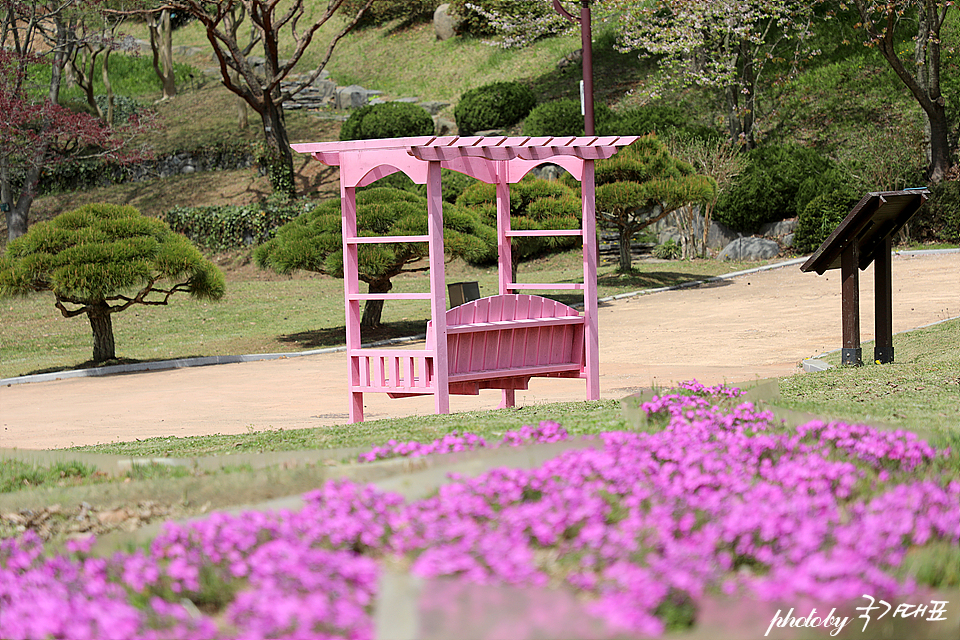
[{"x": 498, "y": 342}]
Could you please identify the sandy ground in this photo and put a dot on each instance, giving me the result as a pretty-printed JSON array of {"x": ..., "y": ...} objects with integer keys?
[{"x": 753, "y": 326}]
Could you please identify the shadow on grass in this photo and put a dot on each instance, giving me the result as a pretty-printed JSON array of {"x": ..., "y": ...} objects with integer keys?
[{"x": 336, "y": 336}]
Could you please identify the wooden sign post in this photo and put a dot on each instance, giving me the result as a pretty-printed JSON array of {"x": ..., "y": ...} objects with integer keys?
[{"x": 865, "y": 236}]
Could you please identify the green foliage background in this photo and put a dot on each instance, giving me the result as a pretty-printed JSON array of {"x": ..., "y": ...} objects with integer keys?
[
  {"x": 493, "y": 106},
  {"x": 387, "y": 120},
  {"x": 224, "y": 227},
  {"x": 313, "y": 241}
]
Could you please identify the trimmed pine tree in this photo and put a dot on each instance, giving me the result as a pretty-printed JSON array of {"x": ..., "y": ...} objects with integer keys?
[{"x": 101, "y": 259}]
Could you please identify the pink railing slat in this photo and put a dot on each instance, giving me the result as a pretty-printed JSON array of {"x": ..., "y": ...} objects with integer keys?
[
  {"x": 379, "y": 375},
  {"x": 364, "y": 371},
  {"x": 523, "y": 306},
  {"x": 394, "y": 367},
  {"x": 409, "y": 374}
]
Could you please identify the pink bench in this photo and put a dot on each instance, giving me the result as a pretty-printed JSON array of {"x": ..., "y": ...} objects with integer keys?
[{"x": 498, "y": 342}]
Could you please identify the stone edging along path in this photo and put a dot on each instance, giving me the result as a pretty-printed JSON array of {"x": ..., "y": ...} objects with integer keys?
[{"x": 212, "y": 360}]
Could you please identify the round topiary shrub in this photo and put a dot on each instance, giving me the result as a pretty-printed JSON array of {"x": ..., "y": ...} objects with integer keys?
[
  {"x": 562, "y": 118},
  {"x": 493, "y": 106},
  {"x": 820, "y": 217},
  {"x": 554, "y": 118},
  {"x": 387, "y": 120}
]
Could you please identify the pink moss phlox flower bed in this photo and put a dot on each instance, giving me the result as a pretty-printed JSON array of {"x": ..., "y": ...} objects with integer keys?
[{"x": 719, "y": 500}]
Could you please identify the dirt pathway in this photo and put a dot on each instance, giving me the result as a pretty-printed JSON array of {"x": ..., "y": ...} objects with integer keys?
[{"x": 758, "y": 325}]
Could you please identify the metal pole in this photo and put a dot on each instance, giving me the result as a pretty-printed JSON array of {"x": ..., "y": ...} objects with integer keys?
[
  {"x": 586, "y": 40},
  {"x": 586, "y": 36}
]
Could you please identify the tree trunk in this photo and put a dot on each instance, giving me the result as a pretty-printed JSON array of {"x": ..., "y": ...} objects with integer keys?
[
  {"x": 18, "y": 212},
  {"x": 105, "y": 72},
  {"x": 59, "y": 59},
  {"x": 242, "y": 119},
  {"x": 373, "y": 309},
  {"x": 626, "y": 258},
  {"x": 278, "y": 157},
  {"x": 84, "y": 65},
  {"x": 740, "y": 115},
  {"x": 924, "y": 82},
  {"x": 17, "y": 220},
  {"x": 166, "y": 55},
  {"x": 939, "y": 143},
  {"x": 161, "y": 45},
  {"x": 102, "y": 326},
  {"x": 707, "y": 213},
  {"x": 927, "y": 58}
]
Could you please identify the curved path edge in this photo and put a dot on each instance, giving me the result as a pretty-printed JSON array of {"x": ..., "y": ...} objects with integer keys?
[{"x": 203, "y": 361}]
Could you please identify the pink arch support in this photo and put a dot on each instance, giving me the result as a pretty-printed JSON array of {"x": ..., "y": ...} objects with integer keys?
[{"x": 499, "y": 342}]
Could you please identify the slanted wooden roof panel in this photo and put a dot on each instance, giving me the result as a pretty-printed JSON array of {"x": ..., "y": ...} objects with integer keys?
[{"x": 877, "y": 216}]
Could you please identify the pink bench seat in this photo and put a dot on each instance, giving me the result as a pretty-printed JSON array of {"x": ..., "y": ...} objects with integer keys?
[{"x": 500, "y": 342}]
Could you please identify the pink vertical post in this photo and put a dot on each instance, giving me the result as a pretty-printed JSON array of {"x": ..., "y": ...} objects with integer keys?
[
  {"x": 351, "y": 286},
  {"x": 504, "y": 253},
  {"x": 591, "y": 321},
  {"x": 438, "y": 301},
  {"x": 504, "y": 250}
]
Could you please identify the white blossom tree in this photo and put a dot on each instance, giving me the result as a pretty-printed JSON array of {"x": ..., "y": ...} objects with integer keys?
[
  {"x": 736, "y": 47},
  {"x": 730, "y": 45}
]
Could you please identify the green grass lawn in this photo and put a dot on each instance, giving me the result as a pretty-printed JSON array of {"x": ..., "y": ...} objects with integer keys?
[
  {"x": 268, "y": 314},
  {"x": 576, "y": 417},
  {"x": 920, "y": 392},
  {"x": 920, "y": 389}
]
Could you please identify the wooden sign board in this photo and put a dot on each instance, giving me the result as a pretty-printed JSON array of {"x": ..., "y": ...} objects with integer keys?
[{"x": 865, "y": 236}]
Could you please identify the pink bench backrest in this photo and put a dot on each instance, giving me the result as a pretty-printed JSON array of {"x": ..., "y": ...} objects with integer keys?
[{"x": 502, "y": 345}]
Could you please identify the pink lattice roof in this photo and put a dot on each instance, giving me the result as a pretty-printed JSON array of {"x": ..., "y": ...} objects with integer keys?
[{"x": 471, "y": 155}]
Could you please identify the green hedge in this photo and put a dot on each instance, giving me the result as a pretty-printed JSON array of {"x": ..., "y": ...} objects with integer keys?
[
  {"x": 777, "y": 184},
  {"x": 661, "y": 120},
  {"x": 223, "y": 227},
  {"x": 387, "y": 120},
  {"x": 493, "y": 106},
  {"x": 820, "y": 217},
  {"x": 124, "y": 107},
  {"x": 562, "y": 118},
  {"x": 939, "y": 218}
]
